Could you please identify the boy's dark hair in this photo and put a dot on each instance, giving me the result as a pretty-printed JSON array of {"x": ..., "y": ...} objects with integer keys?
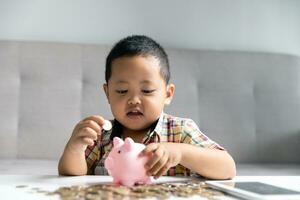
[{"x": 138, "y": 45}]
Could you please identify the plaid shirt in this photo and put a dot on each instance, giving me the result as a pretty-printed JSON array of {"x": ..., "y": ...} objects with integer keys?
[{"x": 166, "y": 129}]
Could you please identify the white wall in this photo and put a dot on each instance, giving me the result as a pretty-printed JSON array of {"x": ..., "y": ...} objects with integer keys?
[{"x": 258, "y": 25}]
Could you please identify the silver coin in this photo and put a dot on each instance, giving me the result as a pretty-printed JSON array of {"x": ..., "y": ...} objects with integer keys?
[
  {"x": 153, "y": 191},
  {"x": 107, "y": 125}
]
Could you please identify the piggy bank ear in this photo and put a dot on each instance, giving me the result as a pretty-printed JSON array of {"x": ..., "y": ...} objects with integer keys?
[
  {"x": 128, "y": 144},
  {"x": 118, "y": 142}
]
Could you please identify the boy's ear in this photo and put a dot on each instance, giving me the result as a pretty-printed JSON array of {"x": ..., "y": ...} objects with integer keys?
[
  {"x": 170, "y": 93},
  {"x": 105, "y": 88}
]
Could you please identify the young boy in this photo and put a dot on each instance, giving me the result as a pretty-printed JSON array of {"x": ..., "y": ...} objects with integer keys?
[{"x": 137, "y": 89}]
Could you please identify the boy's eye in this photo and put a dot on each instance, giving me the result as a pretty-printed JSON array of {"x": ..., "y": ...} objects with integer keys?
[
  {"x": 121, "y": 91},
  {"x": 147, "y": 91}
]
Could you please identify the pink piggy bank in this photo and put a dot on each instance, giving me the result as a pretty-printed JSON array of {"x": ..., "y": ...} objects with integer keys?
[{"x": 125, "y": 164}]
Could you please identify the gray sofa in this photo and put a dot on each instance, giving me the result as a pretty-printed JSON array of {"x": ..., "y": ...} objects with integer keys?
[{"x": 249, "y": 102}]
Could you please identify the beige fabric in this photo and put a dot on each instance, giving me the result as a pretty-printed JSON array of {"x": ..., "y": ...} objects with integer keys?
[{"x": 248, "y": 102}]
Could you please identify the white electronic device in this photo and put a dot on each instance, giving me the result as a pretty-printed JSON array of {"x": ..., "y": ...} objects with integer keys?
[{"x": 254, "y": 190}]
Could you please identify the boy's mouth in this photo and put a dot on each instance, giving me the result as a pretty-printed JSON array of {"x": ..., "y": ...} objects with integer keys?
[{"x": 134, "y": 113}]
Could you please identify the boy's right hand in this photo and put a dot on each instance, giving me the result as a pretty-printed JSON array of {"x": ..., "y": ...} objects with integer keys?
[{"x": 85, "y": 133}]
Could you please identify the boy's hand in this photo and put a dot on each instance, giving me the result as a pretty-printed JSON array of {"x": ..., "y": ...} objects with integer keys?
[
  {"x": 164, "y": 156},
  {"x": 85, "y": 133}
]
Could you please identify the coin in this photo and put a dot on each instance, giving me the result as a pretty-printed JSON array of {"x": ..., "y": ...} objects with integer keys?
[
  {"x": 107, "y": 125},
  {"x": 152, "y": 191}
]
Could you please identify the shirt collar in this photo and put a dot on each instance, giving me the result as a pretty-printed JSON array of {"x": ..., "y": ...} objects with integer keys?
[
  {"x": 160, "y": 124},
  {"x": 156, "y": 131}
]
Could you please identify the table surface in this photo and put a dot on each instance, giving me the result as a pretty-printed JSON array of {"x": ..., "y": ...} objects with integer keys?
[{"x": 9, "y": 183}]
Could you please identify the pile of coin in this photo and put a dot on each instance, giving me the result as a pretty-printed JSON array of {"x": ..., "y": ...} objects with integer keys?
[{"x": 153, "y": 191}]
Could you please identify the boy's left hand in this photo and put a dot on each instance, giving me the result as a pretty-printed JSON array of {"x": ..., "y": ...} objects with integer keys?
[{"x": 163, "y": 156}]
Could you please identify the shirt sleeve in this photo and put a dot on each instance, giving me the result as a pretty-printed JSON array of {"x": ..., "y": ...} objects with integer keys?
[
  {"x": 193, "y": 135},
  {"x": 91, "y": 156}
]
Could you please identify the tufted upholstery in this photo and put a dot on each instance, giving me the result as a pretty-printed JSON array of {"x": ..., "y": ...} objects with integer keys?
[{"x": 249, "y": 102}]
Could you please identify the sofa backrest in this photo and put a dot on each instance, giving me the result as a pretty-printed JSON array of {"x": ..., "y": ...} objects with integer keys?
[{"x": 249, "y": 102}]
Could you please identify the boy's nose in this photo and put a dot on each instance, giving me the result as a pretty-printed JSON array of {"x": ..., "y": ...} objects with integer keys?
[{"x": 134, "y": 100}]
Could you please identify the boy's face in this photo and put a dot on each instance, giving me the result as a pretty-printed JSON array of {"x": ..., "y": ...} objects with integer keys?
[{"x": 137, "y": 92}]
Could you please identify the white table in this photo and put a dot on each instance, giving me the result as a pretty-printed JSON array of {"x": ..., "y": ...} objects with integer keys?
[{"x": 8, "y": 183}]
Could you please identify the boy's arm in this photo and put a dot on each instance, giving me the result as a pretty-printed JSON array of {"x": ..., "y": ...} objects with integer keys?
[
  {"x": 209, "y": 163},
  {"x": 204, "y": 156},
  {"x": 72, "y": 162}
]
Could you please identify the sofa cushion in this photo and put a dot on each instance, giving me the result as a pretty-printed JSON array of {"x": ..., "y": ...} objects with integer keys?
[{"x": 248, "y": 102}]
